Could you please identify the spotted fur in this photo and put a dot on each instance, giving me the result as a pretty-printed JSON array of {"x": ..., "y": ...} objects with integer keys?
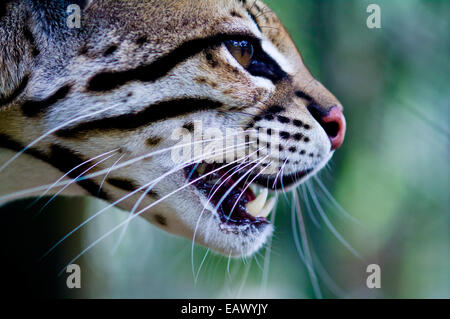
[{"x": 135, "y": 71}]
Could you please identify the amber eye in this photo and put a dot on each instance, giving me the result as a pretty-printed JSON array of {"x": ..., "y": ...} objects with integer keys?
[{"x": 242, "y": 51}]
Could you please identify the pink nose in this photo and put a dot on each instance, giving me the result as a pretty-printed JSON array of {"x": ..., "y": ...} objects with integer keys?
[
  {"x": 332, "y": 121},
  {"x": 335, "y": 126}
]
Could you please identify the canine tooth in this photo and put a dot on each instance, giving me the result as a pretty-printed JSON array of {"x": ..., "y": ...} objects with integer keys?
[
  {"x": 256, "y": 205},
  {"x": 268, "y": 208}
]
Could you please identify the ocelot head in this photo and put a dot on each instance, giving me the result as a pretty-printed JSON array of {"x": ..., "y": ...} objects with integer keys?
[{"x": 107, "y": 107}]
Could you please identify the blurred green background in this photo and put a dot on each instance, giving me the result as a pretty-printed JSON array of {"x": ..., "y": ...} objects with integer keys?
[{"x": 391, "y": 176}]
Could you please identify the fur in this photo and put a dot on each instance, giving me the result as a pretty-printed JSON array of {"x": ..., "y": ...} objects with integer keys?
[{"x": 117, "y": 36}]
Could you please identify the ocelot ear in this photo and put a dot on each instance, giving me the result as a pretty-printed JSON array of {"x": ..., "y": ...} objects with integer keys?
[{"x": 24, "y": 25}]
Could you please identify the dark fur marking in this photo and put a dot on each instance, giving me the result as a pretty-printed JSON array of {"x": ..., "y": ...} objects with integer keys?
[
  {"x": 274, "y": 109},
  {"x": 297, "y": 123},
  {"x": 23, "y": 84},
  {"x": 110, "y": 50},
  {"x": 123, "y": 184},
  {"x": 283, "y": 119},
  {"x": 62, "y": 159},
  {"x": 298, "y": 136},
  {"x": 109, "y": 80},
  {"x": 154, "y": 141},
  {"x": 235, "y": 14},
  {"x": 34, "y": 108},
  {"x": 83, "y": 50},
  {"x": 189, "y": 126},
  {"x": 253, "y": 17},
  {"x": 304, "y": 96},
  {"x": 213, "y": 63},
  {"x": 30, "y": 38},
  {"x": 161, "y": 220},
  {"x": 129, "y": 186},
  {"x": 152, "y": 113},
  {"x": 65, "y": 159},
  {"x": 141, "y": 40}
]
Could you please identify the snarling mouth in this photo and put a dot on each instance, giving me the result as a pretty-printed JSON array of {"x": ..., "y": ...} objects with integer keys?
[{"x": 231, "y": 189}]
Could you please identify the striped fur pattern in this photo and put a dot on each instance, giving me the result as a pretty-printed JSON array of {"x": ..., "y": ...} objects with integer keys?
[{"x": 134, "y": 72}]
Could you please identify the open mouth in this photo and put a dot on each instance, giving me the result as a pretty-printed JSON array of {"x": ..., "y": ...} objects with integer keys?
[{"x": 231, "y": 191}]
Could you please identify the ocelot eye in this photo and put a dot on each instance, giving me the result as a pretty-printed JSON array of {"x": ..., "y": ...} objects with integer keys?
[{"x": 242, "y": 51}]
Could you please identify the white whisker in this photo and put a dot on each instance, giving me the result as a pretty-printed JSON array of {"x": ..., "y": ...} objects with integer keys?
[
  {"x": 296, "y": 211},
  {"x": 72, "y": 182},
  {"x": 109, "y": 171},
  {"x": 330, "y": 226},
  {"x": 140, "y": 212},
  {"x": 334, "y": 201},
  {"x": 90, "y": 114},
  {"x": 152, "y": 183},
  {"x": 12, "y": 196},
  {"x": 65, "y": 175},
  {"x": 204, "y": 209}
]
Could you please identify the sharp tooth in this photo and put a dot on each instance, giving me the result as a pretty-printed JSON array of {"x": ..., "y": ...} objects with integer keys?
[
  {"x": 267, "y": 208},
  {"x": 256, "y": 205}
]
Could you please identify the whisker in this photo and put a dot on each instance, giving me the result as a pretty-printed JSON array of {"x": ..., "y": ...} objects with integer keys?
[
  {"x": 282, "y": 184},
  {"x": 201, "y": 214},
  {"x": 228, "y": 268},
  {"x": 244, "y": 279},
  {"x": 140, "y": 212},
  {"x": 26, "y": 192},
  {"x": 201, "y": 264},
  {"x": 296, "y": 211},
  {"x": 308, "y": 206},
  {"x": 326, "y": 279},
  {"x": 237, "y": 183},
  {"x": 265, "y": 275},
  {"x": 109, "y": 171},
  {"x": 115, "y": 203},
  {"x": 224, "y": 196},
  {"x": 330, "y": 226},
  {"x": 68, "y": 185},
  {"x": 267, "y": 27},
  {"x": 90, "y": 114},
  {"x": 334, "y": 201},
  {"x": 65, "y": 175},
  {"x": 245, "y": 188}
]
